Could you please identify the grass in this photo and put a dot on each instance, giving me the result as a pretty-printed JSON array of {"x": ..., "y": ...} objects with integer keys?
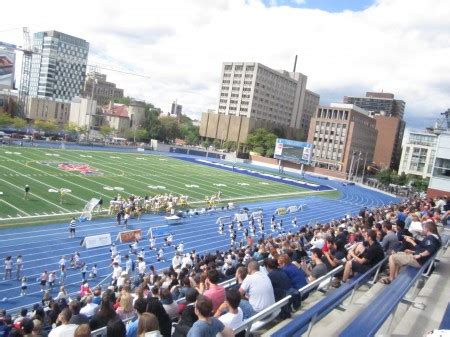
[{"x": 125, "y": 173}]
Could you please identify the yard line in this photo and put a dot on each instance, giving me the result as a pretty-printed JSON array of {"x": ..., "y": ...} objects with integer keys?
[
  {"x": 33, "y": 194},
  {"x": 17, "y": 209},
  {"x": 41, "y": 182}
]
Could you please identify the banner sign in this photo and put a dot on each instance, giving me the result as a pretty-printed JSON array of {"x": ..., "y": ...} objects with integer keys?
[
  {"x": 95, "y": 241},
  {"x": 257, "y": 215},
  {"x": 241, "y": 217},
  {"x": 129, "y": 236},
  {"x": 158, "y": 231},
  {"x": 281, "y": 211},
  {"x": 224, "y": 219}
]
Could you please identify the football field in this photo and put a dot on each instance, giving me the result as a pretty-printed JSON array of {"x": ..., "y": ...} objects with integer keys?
[{"x": 85, "y": 174}]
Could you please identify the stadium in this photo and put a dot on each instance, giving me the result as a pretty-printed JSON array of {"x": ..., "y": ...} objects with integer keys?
[{"x": 188, "y": 216}]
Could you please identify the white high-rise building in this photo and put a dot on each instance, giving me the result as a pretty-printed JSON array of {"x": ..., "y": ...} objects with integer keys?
[
  {"x": 418, "y": 154},
  {"x": 256, "y": 91},
  {"x": 58, "y": 69}
]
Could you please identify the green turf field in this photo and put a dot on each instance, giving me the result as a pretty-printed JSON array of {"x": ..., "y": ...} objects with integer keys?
[{"x": 112, "y": 173}]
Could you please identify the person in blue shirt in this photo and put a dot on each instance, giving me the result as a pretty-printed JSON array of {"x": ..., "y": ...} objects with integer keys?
[
  {"x": 296, "y": 275},
  {"x": 140, "y": 305}
]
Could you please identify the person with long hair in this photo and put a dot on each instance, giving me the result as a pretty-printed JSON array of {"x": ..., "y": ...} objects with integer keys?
[
  {"x": 125, "y": 309},
  {"x": 116, "y": 328},
  {"x": 106, "y": 312},
  {"x": 148, "y": 326}
]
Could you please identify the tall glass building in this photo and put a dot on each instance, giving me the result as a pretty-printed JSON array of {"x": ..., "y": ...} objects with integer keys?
[{"x": 58, "y": 68}]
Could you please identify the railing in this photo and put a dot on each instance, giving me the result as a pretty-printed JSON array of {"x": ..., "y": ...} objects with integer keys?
[{"x": 273, "y": 310}]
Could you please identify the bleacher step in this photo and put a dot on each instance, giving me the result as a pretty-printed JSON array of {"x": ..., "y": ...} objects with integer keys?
[
  {"x": 337, "y": 319},
  {"x": 418, "y": 320}
]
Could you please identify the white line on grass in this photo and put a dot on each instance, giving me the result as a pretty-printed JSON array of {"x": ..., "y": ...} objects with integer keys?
[
  {"x": 37, "y": 196},
  {"x": 17, "y": 209}
]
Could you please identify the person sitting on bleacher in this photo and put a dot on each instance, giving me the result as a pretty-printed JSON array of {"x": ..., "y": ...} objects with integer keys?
[
  {"x": 258, "y": 288},
  {"x": 318, "y": 268},
  {"x": 370, "y": 257},
  {"x": 390, "y": 241},
  {"x": 296, "y": 275},
  {"x": 423, "y": 250}
]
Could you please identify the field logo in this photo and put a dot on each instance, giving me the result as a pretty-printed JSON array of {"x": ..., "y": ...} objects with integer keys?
[
  {"x": 73, "y": 167},
  {"x": 82, "y": 168}
]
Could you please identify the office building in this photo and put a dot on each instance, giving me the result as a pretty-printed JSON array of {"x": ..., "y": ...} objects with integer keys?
[
  {"x": 97, "y": 87},
  {"x": 379, "y": 103},
  {"x": 85, "y": 113},
  {"x": 176, "y": 109},
  {"x": 388, "y": 113},
  {"x": 418, "y": 154},
  {"x": 252, "y": 95},
  {"x": 309, "y": 108},
  {"x": 344, "y": 137},
  {"x": 58, "y": 69},
  {"x": 47, "y": 109},
  {"x": 440, "y": 178}
]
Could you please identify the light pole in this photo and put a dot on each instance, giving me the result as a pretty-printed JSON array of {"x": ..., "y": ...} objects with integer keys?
[
  {"x": 364, "y": 169},
  {"x": 350, "y": 171},
  {"x": 357, "y": 165},
  {"x": 134, "y": 137}
]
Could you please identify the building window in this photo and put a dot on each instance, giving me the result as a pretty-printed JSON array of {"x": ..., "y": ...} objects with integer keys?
[{"x": 442, "y": 168}]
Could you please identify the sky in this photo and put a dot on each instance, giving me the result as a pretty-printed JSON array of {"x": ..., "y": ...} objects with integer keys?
[{"x": 345, "y": 47}]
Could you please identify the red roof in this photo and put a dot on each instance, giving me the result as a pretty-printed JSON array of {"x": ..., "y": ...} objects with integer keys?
[{"x": 115, "y": 109}]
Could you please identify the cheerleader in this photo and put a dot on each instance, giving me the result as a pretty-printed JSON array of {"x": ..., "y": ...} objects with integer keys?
[{"x": 24, "y": 286}]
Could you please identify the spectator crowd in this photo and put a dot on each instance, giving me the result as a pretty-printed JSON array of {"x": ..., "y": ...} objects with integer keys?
[{"x": 188, "y": 299}]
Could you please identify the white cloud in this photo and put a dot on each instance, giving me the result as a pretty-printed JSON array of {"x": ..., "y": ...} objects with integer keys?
[{"x": 396, "y": 46}]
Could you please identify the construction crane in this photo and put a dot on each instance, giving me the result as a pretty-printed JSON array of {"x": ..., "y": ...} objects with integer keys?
[{"x": 28, "y": 52}]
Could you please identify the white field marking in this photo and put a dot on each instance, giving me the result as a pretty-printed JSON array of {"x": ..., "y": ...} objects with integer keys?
[
  {"x": 66, "y": 190},
  {"x": 73, "y": 183},
  {"x": 37, "y": 196},
  {"x": 11, "y": 205},
  {"x": 140, "y": 158},
  {"x": 117, "y": 188},
  {"x": 8, "y": 152},
  {"x": 156, "y": 187},
  {"x": 1, "y": 193},
  {"x": 264, "y": 183},
  {"x": 108, "y": 188},
  {"x": 52, "y": 190},
  {"x": 192, "y": 186},
  {"x": 38, "y": 215},
  {"x": 243, "y": 184},
  {"x": 219, "y": 185},
  {"x": 18, "y": 153},
  {"x": 68, "y": 181},
  {"x": 112, "y": 157}
]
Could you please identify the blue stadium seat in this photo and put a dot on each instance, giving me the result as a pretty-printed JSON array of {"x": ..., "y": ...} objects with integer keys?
[
  {"x": 382, "y": 307},
  {"x": 445, "y": 323},
  {"x": 302, "y": 323}
]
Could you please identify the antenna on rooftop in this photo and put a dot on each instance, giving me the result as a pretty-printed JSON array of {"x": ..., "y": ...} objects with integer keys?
[{"x": 295, "y": 63}]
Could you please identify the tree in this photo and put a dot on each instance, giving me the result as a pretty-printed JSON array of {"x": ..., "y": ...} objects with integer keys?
[
  {"x": 230, "y": 146},
  {"x": 19, "y": 123},
  {"x": 105, "y": 131},
  {"x": 5, "y": 119},
  {"x": 45, "y": 125},
  {"x": 402, "y": 179},
  {"x": 70, "y": 127},
  {"x": 385, "y": 176},
  {"x": 123, "y": 100},
  {"x": 262, "y": 142},
  {"x": 216, "y": 144},
  {"x": 139, "y": 135},
  {"x": 169, "y": 129}
]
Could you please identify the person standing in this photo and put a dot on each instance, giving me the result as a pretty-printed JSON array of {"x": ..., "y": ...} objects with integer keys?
[
  {"x": 24, "y": 286},
  {"x": 62, "y": 275},
  {"x": 43, "y": 280},
  {"x": 19, "y": 267},
  {"x": 72, "y": 228},
  {"x": 51, "y": 280},
  {"x": 26, "y": 196},
  {"x": 83, "y": 271},
  {"x": 8, "y": 267}
]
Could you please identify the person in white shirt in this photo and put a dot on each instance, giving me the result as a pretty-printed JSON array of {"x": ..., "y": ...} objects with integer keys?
[
  {"x": 186, "y": 262},
  {"x": 65, "y": 329},
  {"x": 169, "y": 239},
  {"x": 257, "y": 287},
  {"x": 180, "y": 247},
  {"x": 142, "y": 253},
  {"x": 416, "y": 227},
  {"x": 90, "y": 309},
  {"x": 134, "y": 247},
  {"x": 141, "y": 266},
  {"x": 176, "y": 261},
  {"x": 62, "y": 262},
  {"x": 118, "y": 258},
  {"x": 113, "y": 250},
  {"x": 229, "y": 312},
  {"x": 152, "y": 242},
  {"x": 19, "y": 267},
  {"x": 117, "y": 271},
  {"x": 8, "y": 267},
  {"x": 317, "y": 241}
]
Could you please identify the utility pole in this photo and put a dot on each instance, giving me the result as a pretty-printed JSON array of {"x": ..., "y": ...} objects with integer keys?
[
  {"x": 350, "y": 171},
  {"x": 364, "y": 169}
]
